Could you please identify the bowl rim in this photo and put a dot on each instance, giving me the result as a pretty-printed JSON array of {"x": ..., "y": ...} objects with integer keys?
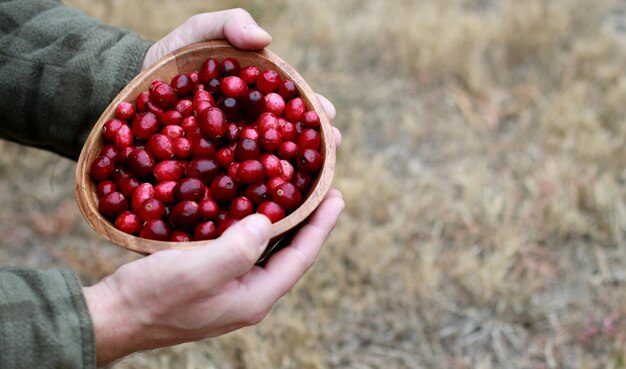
[{"x": 85, "y": 188}]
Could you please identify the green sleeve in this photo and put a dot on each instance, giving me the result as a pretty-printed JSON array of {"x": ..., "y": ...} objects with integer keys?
[
  {"x": 44, "y": 321},
  {"x": 59, "y": 69}
]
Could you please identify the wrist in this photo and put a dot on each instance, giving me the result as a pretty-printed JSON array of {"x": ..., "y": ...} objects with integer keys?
[{"x": 116, "y": 331}]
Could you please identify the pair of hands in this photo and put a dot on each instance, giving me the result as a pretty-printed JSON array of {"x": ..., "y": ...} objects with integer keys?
[{"x": 175, "y": 296}]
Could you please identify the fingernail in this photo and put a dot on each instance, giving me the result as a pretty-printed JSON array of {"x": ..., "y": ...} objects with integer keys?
[
  {"x": 256, "y": 30},
  {"x": 259, "y": 226}
]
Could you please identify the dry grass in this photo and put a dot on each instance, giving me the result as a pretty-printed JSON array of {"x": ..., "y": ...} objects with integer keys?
[{"x": 484, "y": 170}]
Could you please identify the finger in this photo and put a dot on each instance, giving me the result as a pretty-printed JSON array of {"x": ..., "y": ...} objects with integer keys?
[
  {"x": 235, "y": 25},
  {"x": 287, "y": 266},
  {"x": 231, "y": 255},
  {"x": 328, "y": 107},
  {"x": 337, "y": 135}
]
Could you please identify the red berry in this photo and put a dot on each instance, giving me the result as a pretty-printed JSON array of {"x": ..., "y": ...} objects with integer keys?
[
  {"x": 249, "y": 74},
  {"x": 163, "y": 95},
  {"x": 182, "y": 84},
  {"x": 142, "y": 193},
  {"x": 208, "y": 209},
  {"x": 287, "y": 150},
  {"x": 271, "y": 210},
  {"x": 110, "y": 129},
  {"x": 168, "y": 170},
  {"x": 204, "y": 169},
  {"x": 288, "y": 131},
  {"x": 268, "y": 81},
  {"x": 101, "y": 168},
  {"x": 203, "y": 148},
  {"x": 213, "y": 86},
  {"x": 223, "y": 188},
  {"x": 240, "y": 207},
  {"x": 145, "y": 125},
  {"x": 205, "y": 231},
  {"x": 161, "y": 146},
  {"x": 294, "y": 109},
  {"x": 233, "y": 86},
  {"x": 229, "y": 67},
  {"x": 287, "y": 172},
  {"x": 180, "y": 236},
  {"x": 267, "y": 121},
  {"x": 274, "y": 103},
  {"x": 141, "y": 162},
  {"x": 225, "y": 224},
  {"x": 151, "y": 209},
  {"x": 128, "y": 186},
  {"x": 247, "y": 149},
  {"x": 112, "y": 204},
  {"x": 270, "y": 140},
  {"x": 209, "y": 70},
  {"x": 156, "y": 229},
  {"x": 164, "y": 191},
  {"x": 251, "y": 171},
  {"x": 185, "y": 215},
  {"x": 287, "y": 195},
  {"x": 253, "y": 104},
  {"x": 184, "y": 107},
  {"x": 310, "y": 119},
  {"x": 309, "y": 161},
  {"x": 124, "y": 110},
  {"x": 182, "y": 148},
  {"x": 105, "y": 187},
  {"x": 141, "y": 101},
  {"x": 111, "y": 152},
  {"x": 173, "y": 132},
  {"x": 230, "y": 107},
  {"x": 128, "y": 222},
  {"x": 257, "y": 193},
  {"x": 212, "y": 122},
  {"x": 225, "y": 157},
  {"x": 309, "y": 139},
  {"x": 171, "y": 117},
  {"x": 287, "y": 89},
  {"x": 302, "y": 180},
  {"x": 124, "y": 137},
  {"x": 273, "y": 183},
  {"x": 190, "y": 189},
  {"x": 249, "y": 132},
  {"x": 272, "y": 165}
]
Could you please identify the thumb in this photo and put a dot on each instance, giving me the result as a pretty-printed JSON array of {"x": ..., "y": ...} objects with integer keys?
[
  {"x": 235, "y": 25},
  {"x": 232, "y": 254}
]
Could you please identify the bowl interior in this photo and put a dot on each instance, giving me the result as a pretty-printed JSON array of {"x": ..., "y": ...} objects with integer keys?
[{"x": 186, "y": 60}]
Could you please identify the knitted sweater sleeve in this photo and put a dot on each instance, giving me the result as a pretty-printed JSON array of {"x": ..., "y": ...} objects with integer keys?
[{"x": 59, "y": 69}]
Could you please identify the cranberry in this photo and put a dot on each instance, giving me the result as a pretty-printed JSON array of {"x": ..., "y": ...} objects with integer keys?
[
  {"x": 172, "y": 132},
  {"x": 182, "y": 148},
  {"x": 171, "y": 117},
  {"x": 182, "y": 84},
  {"x": 287, "y": 150},
  {"x": 270, "y": 140},
  {"x": 268, "y": 81},
  {"x": 273, "y": 183},
  {"x": 213, "y": 86},
  {"x": 110, "y": 129},
  {"x": 112, "y": 204},
  {"x": 111, "y": 152},
  {"x": 125, "y": 152},
  {"x": 240, "y": 207},
  {"x": 105, "y": 187},
  {"x": 302, "y": 180},
  {"x": 128, "y": 186},
  {"x": 250, "y": 74},
  {"x": 223, "y": 188},
  {"x": 120, "y": 173},
  {"x": 163, "y": 95},
  {"x": 186, "y": 214},
  {"x": 287, "y": 89},
  {"x": 212, "y": 122},
  {"x": 154, "y": 109},
  {"x": 101, "y": 168},
  {"x": 203, "y": 148},
  {"x": 141, "y": 101},
  {"x": 128, "y": 222},
  {"x": 161, "y": 146},
  {"x": 249, "y": 132},
  {"x": 208, "y": 209},
  {"x": 230, "y": 107},
  {"x": 287, "y": 195},
  {"x": 141, "y": 162},
  {"x": 229, "y": 67},
  {"x": 294, "y": 109},
  {"x": 164, "y": 191},
  {"x": 184, "y": 107},
  {"x": 309, "y": 139},
  {"x": 205, "y": 231},
  {"x": 225, "y": 157},
  {"x": 253, "y": 104},
  {"x": 288, "y": 131},
  {"x": 204, "y": 169},
  {"x": 232, "y": 132},
  {"x": 156, "y": 229},
  {"x": 145, "y": 125},
  {"x": 168, "y": 170},
  {"x": 271, "y": 210},
  {"x": 274, "y": 103},
  {"x": 251, "y": 171},
  {"x": 202, "y": 95},
  {"x": 209, "y": 70},
  {"x": 151, "y": 209},
  {"x": 233, "y": 86},
  {"x": 272, "y": 165},
  {"x": 267, "y": 121},
  {"x": 195, "y": 77},
  {"x": 180, "y": 236},
  {"x": 247, "y": 149},
  {"x": 124, "y": 110},
  {"x": 310, "y": 119},
  {"x": 142, "y": 193},
  {"x": 189, "y": 189},
  {"x": 287, "y": 172},
  {"x": 232, "y": 172},
  {"x": 124, "y": 137},
  {"x": 309, "y": 161},
  {"x": 257, "y": 193}
]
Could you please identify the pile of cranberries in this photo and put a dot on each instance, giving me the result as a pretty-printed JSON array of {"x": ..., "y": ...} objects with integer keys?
[{"x": 193, "y": 156}]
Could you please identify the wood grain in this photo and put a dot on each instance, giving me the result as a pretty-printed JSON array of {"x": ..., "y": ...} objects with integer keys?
[{"x": 187, "y": 60}]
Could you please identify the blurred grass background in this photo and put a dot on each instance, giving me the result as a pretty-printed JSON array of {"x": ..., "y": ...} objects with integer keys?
[{"x": 484, "y": 171}]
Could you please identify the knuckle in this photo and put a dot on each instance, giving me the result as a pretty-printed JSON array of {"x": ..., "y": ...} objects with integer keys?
[{"x": 256, "y": 317}]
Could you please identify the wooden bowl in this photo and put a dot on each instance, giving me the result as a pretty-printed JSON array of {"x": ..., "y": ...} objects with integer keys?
[{"x": 187, "y": 60}]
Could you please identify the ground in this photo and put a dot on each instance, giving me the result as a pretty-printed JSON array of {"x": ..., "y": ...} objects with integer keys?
[{"x": 484, "y": 172}]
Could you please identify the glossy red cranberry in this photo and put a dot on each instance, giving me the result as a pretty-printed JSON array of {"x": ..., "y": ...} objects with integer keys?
[
  {"x": 124, "y": 153},
  {"x": 124, "y": 137},
  {"x": 112, "y": 204},
  {"x": 233, "y": 86},
  {"x": 142, "y": 193},
  {"x": 164, "y": 191},
  {"x": 251, "y": 171},
  {"x": 287, "y": 195},
  {"x": 182, "y": 84},
  {"x": 185, "y": 215},
  {"x": 145, "y": 125},
  {"x": 230, "y": 107},
  {"x": 120, "y": 173},
  {"x": 151, "y": 209},
  {"x": 203, "y": 148},
  {"x": 182, "y": 148},
  {"x": 141, "y": 163},
  {"x": 272, "y": 165},
  {"x": 287, "y": 89},
  {"x": 184, "y": 107},
  {"x": 154, "y": 109},
  {"x": 204, "y": 169},
  {"x": 110, "y": 129},
  {"x": 309, "y": 139},
  {"x": 250, "y": 74},
  {"x": 274, "y": 103},
  {"x": 271, "y": 210},
  {"x": 253, "y": 104},
  {"x": 213, "y": 86},
  {"x": 128, "y": 186},
  {"x": 173, "y": 132},
  {"x": 209, "y": 70},
  {"x": 163, "y": 95},
  {"x": 156, "y": 229},
  {"x": 180, "y": 236},
  {"x": 233, "y": 130},
  {"x": 288, "y": 131},
  {"x": 124, "y": 110},
  {"x": 225, "y": 224},
  {"x": 273, "y": 183},
  {"x": 267, "y": 121},
  {"x": 203, "y": 95},
  {"x": 205, "y": 231},
  {"x": 128, "y": 222},
  {"x": 310, "y": 119},
  {"x": 161, "y": 147},
  {"x": 189, "y": 123},
  {"x": 257, "y": 193},
  {"x": 168, "y": 170},
  {"x": 287, "y": 171},
  {"x": 268, "y": 81},
  {"x": 249, "y": 132},
  {"x": 223, "y": 188},
  {"x": 101, "y": 168},
  {"x": 240, "y": 207},
  {"x": 229, "y": 67},
  {"x": 208, "y": 209},
  {"x": 287, "y": 150},
  {"x": 294, "y": 109},
  {"x": 191, "y": 189},
  {"x": 302, "y": 180},
  {"x": 105, "y": 187},
  {"x": 111, "y": 152},
  {"x": 270, "y": 140},
  {"x": 309, "y": 161},
  {"x": 171, "y": 117},
  {"x": 247, "y": 149},
  {"x": 212, "y": 122},
  {"x": 141, "y": 101},
  {"x": 225, "y": 157}
]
